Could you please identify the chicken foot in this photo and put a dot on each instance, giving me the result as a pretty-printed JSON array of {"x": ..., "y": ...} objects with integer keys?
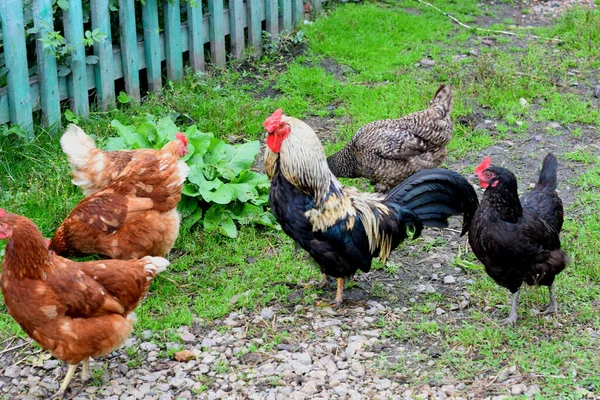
[
  {"x": 85, "y": 376},
  {"x": 552, "y": 307},
  {"x": 513, "y": 314},
  {"x": 338, "y": 295},
  {"x": 66, "y": 381}
]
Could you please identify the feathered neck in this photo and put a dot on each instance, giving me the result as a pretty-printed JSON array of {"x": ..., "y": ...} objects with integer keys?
[
  {"x": 342, "y": 163},
  {"x": 504, "y": 199},
  {"x": 26, "y": 254},
  {"x": 302, "y": 161}
]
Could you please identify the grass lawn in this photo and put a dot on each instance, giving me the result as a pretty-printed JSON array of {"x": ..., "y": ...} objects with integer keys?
[{"x": 358, "y": 64}]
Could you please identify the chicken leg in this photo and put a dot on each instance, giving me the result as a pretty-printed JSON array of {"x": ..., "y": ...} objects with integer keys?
[
  {"x": 512, "y": 315},
  {"x": 338, "y": 295},
  {"x": 66, "y": 381},
  {"x": 85, "y": 370},
  {"x": 552, "y": 307}
]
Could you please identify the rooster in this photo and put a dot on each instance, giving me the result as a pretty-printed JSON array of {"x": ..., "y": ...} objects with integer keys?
[
  {"x": 129, "y": 214},
  {"x": 389, "y": 151},
  {"x": 93, "y": 169},
  {"x": 519, "y": 240},
  {"x": 340, "y": 227},
  {"x": 75, "y": 310}
]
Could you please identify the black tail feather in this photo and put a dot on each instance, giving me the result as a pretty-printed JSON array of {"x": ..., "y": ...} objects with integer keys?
[
  {"x": 547, "y": 179},
  {"x": 436, "y": 194}
]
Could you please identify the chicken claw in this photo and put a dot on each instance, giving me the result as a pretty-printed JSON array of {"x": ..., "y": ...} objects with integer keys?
[
  {"x": 338, "y": 295},
  {"x": 513, "y": 314},
  {"x": 552, "y": 307},
  {"x": 70, "y": 372}
]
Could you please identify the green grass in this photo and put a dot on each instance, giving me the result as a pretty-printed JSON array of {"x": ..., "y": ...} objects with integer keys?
[{"x": 377, "y": 46}]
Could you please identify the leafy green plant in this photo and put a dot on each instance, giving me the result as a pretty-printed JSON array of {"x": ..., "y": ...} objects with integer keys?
[{"x": 220, "y": 189}]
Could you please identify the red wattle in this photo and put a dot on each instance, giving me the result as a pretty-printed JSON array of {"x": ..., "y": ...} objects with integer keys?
[{"x": 274, "y": 142}]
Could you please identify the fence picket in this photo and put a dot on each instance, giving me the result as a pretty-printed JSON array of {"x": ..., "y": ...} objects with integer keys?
[
  {"x": 236, "y": 29},
  {"x": 297, "y": 11},
  {"x": 151, "y": 45},
  {"x": 129, "y": 56},
  {"x": 286, "y": 12},
  {"x": 104, "y": 74},
  {"x": 77, "y": 79},
  {"x": 217, "y": 38},
  {"x": 317, "y": 5},
  {"x": 173, "y": 40},
  {"x": 46, "y": 61},
  {"x": 272, "y": 17},
  {"x": 196, "y": 35},
  {"x": 254, "y": 12},
  {"x": 16, "y": 61}
]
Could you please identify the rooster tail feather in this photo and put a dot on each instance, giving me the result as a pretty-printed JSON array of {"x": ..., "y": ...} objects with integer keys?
[
  {"x": 442, "y": 100},
  {"x": 434, "y": 195},
  {"x": 547, "y": 179},
  {"x": 77, "y": 146}
]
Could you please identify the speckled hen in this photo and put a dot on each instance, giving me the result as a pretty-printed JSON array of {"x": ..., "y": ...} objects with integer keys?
[{"x": 389, "y": 151}]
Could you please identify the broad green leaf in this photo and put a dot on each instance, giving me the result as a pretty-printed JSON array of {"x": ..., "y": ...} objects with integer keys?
[
  {"x": 115, "y": 143},
  {"x": 166, "y": 129}
]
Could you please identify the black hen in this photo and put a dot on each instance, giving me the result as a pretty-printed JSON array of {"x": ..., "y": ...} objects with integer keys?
[
  {"x": 340, "y": 227},
  {"x": 519, "y": 240}
]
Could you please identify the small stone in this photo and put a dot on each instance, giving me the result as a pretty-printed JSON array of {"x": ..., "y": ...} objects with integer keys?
[
  {"x": 448, "y": 279},
  {"x": 50, "y": 364},
  {"x": 448, "y": 389},
  {"x": 304, "y": 358},
  {"x": 153, "y": 377},
  {"x": 357, "y": 369},
  {"x": 267, "y": 313},
  {"x": 310, "y": 388},
  {"x": 148, "y": 346},
  {"x": 429, "y": 289},
  {"x": 597, "y": 91},
  {"x": 427, "y": 62},
  {"x": 341, "y": 390},
  {"x": 187, "y": 337},
  {"x": 553, "y": 125},
  {"x": 12, "y": 371},
  {"x": 384, "y": 384},
  {"x": 518, "y": 389},
  {"x": 440, "y": 311},
  {"x": 524, "y": 103},
  {"x": 207, "y": 343},
  {"x": 532, "y": 391}
]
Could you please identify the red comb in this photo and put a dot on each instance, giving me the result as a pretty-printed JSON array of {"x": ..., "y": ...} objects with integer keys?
[
  {"x": 485, "y": 164},
  {"x": 273, "y": 121},
  {"x": 2, "y": 212},
  {"x": 182, "y": 137}
]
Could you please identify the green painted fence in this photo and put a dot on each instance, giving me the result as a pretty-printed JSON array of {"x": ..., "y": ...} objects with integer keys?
[{"x": 135, "y": 51}]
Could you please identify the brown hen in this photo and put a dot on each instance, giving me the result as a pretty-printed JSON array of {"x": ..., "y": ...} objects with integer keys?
[
  {"x": 74, "y": 310},
  {"x": 135, "y": 214},
  {"x": 389, "y": 151}
]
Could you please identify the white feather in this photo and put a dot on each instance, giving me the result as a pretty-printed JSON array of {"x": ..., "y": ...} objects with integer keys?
[{"x": 77, "y": 145}]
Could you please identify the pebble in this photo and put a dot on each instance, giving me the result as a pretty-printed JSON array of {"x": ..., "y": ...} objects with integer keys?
[
  {"x": 267, "y": 313},
  {"x": 518, "y": 389},
  {"x": 448, "y": 279}
]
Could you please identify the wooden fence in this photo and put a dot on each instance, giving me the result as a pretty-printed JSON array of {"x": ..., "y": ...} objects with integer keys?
[{"x": 44, "y": 91}]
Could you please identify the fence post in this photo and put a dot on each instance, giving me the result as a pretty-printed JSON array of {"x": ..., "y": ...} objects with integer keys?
[
  {"x": 297, "y": 11},
  {"x": 196, "y": 34},
  {"x": 236, "y": 27},
  {"x": 217, "y": 39},
  {"x": 173, "y": 41},
  {"x": 129, "y": 57},
  {"x": 15, "y": 54},
  {"x": 318, "y": 5},
  {"x": 105, "y": 80},
  {"x": 286, "y": 10},
  {"x": 272, "y": 16},
  {"x": 77, "y": 79},
  {"x": 152, "y": 45},
  {"x": 254, "y": 12},
  {"x": 46, "y": 61}
]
